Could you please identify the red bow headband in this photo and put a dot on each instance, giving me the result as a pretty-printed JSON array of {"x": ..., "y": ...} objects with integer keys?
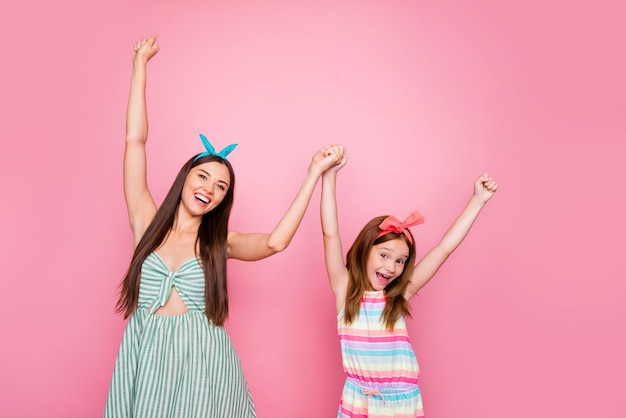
[{"x": 392, "y": 224}]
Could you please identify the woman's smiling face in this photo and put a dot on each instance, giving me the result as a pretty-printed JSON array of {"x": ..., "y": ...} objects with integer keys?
[{"x": 205, "y": 187}]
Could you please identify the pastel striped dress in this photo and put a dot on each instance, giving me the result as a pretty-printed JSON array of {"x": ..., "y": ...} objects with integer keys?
[
  {"x": 179, "y": 366},
  {"x": 380, "y": 365}
]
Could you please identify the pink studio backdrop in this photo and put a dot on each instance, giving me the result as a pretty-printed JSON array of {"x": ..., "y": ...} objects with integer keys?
[{"x": 526, "y": 319}]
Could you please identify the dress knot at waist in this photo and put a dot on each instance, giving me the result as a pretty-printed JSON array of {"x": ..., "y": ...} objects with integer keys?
[{"x": 384, "y": 391}]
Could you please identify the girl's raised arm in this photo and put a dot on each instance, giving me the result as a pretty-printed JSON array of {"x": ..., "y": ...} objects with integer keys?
[
  {"x": 484, "y": 189},
  {"x": 338, "y": 274},
  {"x": 255, "y": 246},
  {"x": 139, "y": 202}
]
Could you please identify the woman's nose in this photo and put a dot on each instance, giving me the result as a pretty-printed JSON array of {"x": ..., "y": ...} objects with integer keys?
[{"x": 209, "y": 186}]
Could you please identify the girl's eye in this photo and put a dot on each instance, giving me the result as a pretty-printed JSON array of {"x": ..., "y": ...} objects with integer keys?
[
  {"x": 401, "y": 262},
  {"x": 221, "y": 186},
  {"x": 202, "y": 176},
  {"x": 383, "y": 256}
]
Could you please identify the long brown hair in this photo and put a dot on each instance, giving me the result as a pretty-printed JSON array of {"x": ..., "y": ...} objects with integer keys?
[
  {"x": 356, "y": 263},
  {"x": 212, "y": 236}
]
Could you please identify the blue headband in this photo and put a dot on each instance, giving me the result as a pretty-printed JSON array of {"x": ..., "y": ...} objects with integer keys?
[{"x": 210, "y": 149}]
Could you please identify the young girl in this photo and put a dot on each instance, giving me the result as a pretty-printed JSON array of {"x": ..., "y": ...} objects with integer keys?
[
  {"x": 176, "y": 358},
  {"x": 372, "y": 292}
]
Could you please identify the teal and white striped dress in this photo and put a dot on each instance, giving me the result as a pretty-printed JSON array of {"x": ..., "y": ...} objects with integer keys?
[{"x": 176, "y": 366}]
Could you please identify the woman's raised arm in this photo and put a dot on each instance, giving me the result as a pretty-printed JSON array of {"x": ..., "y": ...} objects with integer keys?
[{"x": 139, "y": 201}]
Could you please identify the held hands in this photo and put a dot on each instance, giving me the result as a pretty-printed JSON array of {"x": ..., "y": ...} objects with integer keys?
[
  {"x": 146, "y": 48},
  {"x": 331, "y": 157},
  {"x": 485, "y": 187}
]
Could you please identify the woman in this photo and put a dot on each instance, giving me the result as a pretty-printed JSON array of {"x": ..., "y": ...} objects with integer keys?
[{"x": 176, "y": 358}]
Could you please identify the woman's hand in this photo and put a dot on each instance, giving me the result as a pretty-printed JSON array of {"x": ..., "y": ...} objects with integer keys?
[
  {"x": 330, "y": 157},
  {"x": 146, "y": 48}
]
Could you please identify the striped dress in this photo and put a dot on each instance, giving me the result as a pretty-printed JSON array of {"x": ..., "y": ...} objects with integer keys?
[
  {"x": 380, "y": 365},
  {"x": 176, "y": 366}
]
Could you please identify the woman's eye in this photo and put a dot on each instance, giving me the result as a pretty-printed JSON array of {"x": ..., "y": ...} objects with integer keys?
[
  {"x": 203, "y": 177},
  {"x": 383, "y": 256},
  {"x": 221, "y": 186}
]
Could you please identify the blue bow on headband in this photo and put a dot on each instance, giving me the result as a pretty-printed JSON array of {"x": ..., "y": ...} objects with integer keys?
[{"x": 210, "y": 149}]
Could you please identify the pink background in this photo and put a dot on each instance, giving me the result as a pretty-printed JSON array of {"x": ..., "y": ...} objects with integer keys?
[{"x": 526, "y": 319}]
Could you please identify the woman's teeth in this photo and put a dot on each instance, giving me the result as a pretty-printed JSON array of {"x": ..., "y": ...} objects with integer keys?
[{"x": 201, "y": 198}]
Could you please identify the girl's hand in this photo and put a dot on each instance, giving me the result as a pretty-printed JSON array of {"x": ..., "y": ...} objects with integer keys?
[
  {"x": 330, "y": 157},
  {"x": 341, "y": 155},
  {"x": 146, "y": 48},
  {"x": 485, "y": 187}
]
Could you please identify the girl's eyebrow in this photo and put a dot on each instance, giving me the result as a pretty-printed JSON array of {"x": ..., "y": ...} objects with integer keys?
[{"x": 389, "y": 249}]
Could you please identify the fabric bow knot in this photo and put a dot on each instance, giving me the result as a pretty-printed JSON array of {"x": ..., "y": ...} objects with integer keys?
[
  {"x": 392, "y": 224},
  {"x": 210, "y": 149},
  {"x": 371, "y": 392}
]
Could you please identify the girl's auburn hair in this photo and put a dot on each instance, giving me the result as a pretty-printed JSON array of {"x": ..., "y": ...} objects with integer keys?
[
  {"x": 212, "y": 236},
  {"x": 356, "y": 262}
]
